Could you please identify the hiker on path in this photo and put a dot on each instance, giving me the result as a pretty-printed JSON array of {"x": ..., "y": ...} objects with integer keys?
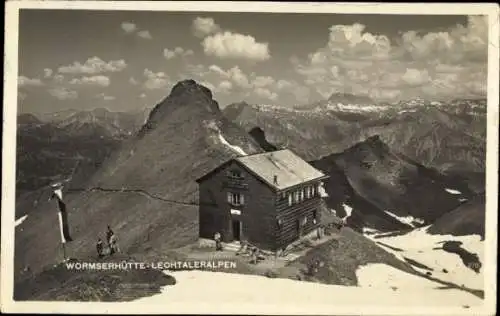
[
  {"x": 109, "y": 233},
  {"x": 113, "y": 244},
  {"x": 99, "y": 246},
  {"x": 218, "y": 242},
  {"x": 254, "y": 255}
]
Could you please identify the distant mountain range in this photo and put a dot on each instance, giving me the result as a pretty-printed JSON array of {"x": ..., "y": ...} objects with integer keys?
[
  {"x": 54, "y": 144},
  {"x": 446, "y": 136},
  {"x": 385, "y": 190}
]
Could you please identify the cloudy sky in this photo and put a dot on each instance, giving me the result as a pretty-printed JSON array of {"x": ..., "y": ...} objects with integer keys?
[{"x": 128, "y": 60}]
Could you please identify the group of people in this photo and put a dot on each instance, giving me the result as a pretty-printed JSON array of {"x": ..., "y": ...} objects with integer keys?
[
  {"x": 112, "y": 241},
  {"x": 245, "y": 247}
]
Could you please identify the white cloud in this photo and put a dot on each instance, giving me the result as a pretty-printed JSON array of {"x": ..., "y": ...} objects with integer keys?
[
  {"x": 265, "y": 93},
  {"x": 128, "y": 27},
  {"x": 351, "y": 40},
  {"x": 225, "y": 86},
  {"x": 99, "y": 80},
  {"x": 208, "y": 85},
  {"x": 178, "y": 51},
  {"x": 204, "y": 26},
  {"x": 234, "y": 74},
  {"x": 234, "y": 45},
  {"x": 59, "y": 78},
  {"x": 416, "y": 77},
  {"x": 431, "y": 65},
  {"x": 142, "y": 96},
  {"x": 47, "y": 72},
  {"x": 158, "y": 80},
  {"x": 144, "y": 34},
  {"x": 105, "y": 97},
  {"x": 238, "y": 77},
  {"x": 62, "y": 93},
  {"x": 196, "y": 71},
  {"x": 283, "y": 84},
  {"x": 24, "y": 81},
  {"x": 94, "y": 65},
  {"x": 218, "y": 70},
  {"x": 168, "y": 54},
  {"x": 263, "y": 81},
  {"x": 132, "y": 81},
  {"x": 456, "y": 46}
]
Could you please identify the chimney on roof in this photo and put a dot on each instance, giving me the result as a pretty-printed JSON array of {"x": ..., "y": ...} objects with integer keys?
[{"x": 275, "y": 179}]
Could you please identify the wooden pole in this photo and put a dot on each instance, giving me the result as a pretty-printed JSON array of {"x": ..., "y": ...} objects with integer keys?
[{"x": 64, "y": 251}]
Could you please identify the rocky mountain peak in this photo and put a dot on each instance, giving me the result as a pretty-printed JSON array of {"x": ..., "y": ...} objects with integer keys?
[
  {"x": 186, "y": 94},
  {"x": 190, "y": 87}
]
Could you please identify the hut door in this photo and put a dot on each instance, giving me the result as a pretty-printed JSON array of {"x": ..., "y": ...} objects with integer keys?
[
  {"x": 299, "y": 228},
  {"x": 236, "y": 229}
]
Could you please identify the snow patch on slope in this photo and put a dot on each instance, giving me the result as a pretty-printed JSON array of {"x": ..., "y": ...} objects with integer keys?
[
  {"x": 233, "y": 147},
  {"x": 426, "y": 249},
  {"x": 212, "y": 125},
  {"x": 20, "y": 220},
  {"x": 355, "y": 108},
  {"x": 347, "y": 209},
  {"x": 408, "y": 220},
  {"x": 239, "y": 290},
  {"x": 380, "y": 275},
  {"x": 451, "y": 191},
  {"x": 370, "y": 231}
]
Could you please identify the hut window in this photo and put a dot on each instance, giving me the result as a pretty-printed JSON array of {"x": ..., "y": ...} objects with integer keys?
[
  {"x": 235, "y": 198},
  {"x": 235, "y": 174},
  {"x": 301, "y": 195}
]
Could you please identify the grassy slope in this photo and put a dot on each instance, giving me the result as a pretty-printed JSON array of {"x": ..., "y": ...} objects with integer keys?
[
  {"x": 467, "y": 219},
  {"x": 371, "y": 178},
  {"x": 344, "y": 256},
  {"x": 62, "y": 284},
  {"x": 165, "y": 161}
]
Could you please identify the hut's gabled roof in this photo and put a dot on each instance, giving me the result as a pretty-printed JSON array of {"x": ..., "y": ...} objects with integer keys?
[{"x": 284, "y": 166}]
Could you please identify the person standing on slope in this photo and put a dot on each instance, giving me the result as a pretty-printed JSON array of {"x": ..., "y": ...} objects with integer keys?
[
  {"x": 218, "y": 242},
  {"x": 109, "y": 233},
  {"x": 113, "y": 244},
  {"x": 100, "y": 248}
]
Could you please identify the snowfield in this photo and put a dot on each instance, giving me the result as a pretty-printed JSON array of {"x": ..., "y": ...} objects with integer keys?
[
  {"x": 356, "y": 108},
  {"x": 347, "y": 209},
  {"x": 235, "y": 148},
  {"x": 451, "y": 191},
  {"x": 218, "y": 288},
  {"x": 424, "y": 248},
  {"x": 20, "y": 220},
  {"x": 408, "y": 220},
  {"x": 212, "y": 125}
]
